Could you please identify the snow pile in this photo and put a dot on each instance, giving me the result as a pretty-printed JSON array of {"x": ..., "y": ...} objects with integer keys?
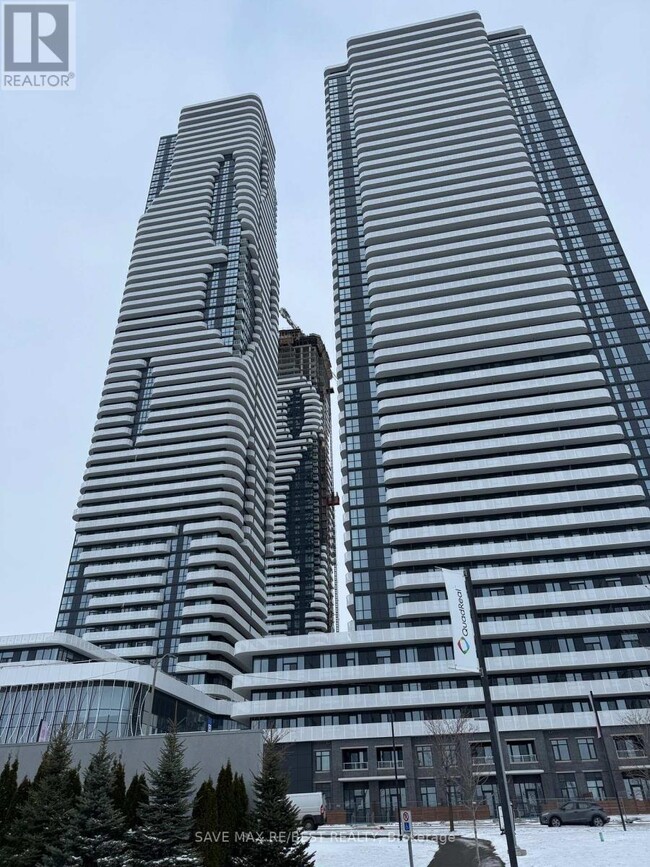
[{"x": 546, "y": 847}]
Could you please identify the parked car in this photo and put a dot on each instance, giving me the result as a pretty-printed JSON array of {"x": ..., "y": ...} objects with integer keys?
[
  {"x": 575, "y": 813},
  {"x": 312, "y": 809}
]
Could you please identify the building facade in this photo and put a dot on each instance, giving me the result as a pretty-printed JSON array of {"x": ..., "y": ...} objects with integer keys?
[
  {"x": 492, "y": 352},
  {"x": 467, "y": 294},
  {"x": 607, "y": 292},
  {"x": 492, "y": 355},
  {"x": 336, "y": 696},
  {"x": 175, "y": 516},
  {"x": 50, "y": 679},
  {"x": 300, "y": 573},
  {"x": 53, "y": 679}
]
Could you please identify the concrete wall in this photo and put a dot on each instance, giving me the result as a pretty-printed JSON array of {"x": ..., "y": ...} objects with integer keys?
[{"x": 209, "y": 751}]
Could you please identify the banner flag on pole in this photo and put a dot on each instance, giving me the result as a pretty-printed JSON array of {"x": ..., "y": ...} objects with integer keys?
[{"x": 462, "y": 630}]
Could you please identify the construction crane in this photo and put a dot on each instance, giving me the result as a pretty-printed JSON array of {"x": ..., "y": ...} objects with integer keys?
[{"x": 285, "y": 315}]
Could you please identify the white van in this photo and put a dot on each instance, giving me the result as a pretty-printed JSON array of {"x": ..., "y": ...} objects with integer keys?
[{"x": 312, "y": 809}]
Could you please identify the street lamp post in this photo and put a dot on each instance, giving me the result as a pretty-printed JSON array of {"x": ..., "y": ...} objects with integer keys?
[
  {"x": 397, "y": 788},
  {"x": 499, "y": 768},
  {"x": 599, "y": 732}
]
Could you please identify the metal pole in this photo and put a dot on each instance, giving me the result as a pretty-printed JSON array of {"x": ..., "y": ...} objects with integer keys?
[
  {"x": 599, "y": 732},
  {"x": 152, "y": 693},
  {"x": 499, "y": 768},
  {"x": 411, "y": 851},
  {"x": 158, "y": 661},
  {"x": 397, "y": 793}
]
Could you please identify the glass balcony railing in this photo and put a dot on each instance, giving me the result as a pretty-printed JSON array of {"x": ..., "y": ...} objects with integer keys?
[
  {"x": 389, "y": 765},
  {"x": 482, "y": 760},
  {"x": 355, "y": 766}
]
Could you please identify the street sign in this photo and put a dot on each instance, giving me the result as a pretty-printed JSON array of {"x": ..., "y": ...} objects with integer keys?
[{"x": 407, "y": 828}]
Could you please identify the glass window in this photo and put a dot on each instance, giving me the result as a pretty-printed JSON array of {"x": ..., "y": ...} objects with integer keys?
[
  {"x": 454, "y": 794},
  {"x": 522, "y": 751},
  {"x": 428, "y": 793},
  {"x": 629, "y": 747},
  {"x": 386, "y": 758},
  {"x": 567, "y": 785},
  {"x": 388, "y": 801},
  {"x": 560, "y": 749},
  {"x": 636, "y": 787},
  {"x": 595, "y": 786},
  {"x": 355, "y": 760},
  {"x": 587, "y": 749},
  {"x": 424, "y": 757},
  {"x": 290, "y": 663},
  {"x": 481, "y": 753},
  {"x": 449, "y": 755},
  {"x": 363, "y": 607},
  {"x": 322, "y": 760},
  {"x": 361, "y": 581},
  {"x": 356, "y": 801}
]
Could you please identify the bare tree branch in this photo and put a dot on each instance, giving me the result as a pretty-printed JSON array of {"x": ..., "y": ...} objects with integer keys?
[
  {"x": 454, "y": 764},
  {"x": 638, "y": 721}
]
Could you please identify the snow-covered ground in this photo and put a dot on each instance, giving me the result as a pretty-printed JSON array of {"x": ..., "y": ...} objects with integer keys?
[{"x": 575, "y": 846}]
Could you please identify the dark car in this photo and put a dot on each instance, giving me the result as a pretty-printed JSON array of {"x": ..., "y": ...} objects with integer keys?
[{"x": 575, "y": 813}]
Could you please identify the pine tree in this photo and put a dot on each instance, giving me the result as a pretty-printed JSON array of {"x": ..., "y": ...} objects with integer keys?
[
  {"x": 22, "y": 795},
  {"x": 13, "y": 809},
  {"x": 225, "y": 816},
  {"x": 96, "y": 836},
  {"x": 136, "y": 795},
  {"x": 232, "y": 814},
  {"x": 39, "y": 832},
  {"x": 118, "y": 786},
  {"x": 74, "y": 781},
  {"x": 276, "y": 820},
  {"x": 8, "y": 790},
  {"x": 224, "y": 794},
  {"x": 241, "y": 821},
  {"x": 240, "y": 799},
  {"x": 204, "y": 822},
  {"x": 163, "y": 839}
]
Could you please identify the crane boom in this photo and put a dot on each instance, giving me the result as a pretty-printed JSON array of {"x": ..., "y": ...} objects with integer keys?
[{"x": 285, "y": 315}]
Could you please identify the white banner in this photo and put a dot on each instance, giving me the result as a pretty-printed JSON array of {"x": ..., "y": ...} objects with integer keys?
[{"x": 462, "y": 629}]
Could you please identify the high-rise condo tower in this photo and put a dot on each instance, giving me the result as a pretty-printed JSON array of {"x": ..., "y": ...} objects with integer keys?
[
  {"x": 175, "y": 514},
  {"x": 493, "y": 353},
  {"x": 300, "y": 573},
  {"x": 492, "y": 344}
]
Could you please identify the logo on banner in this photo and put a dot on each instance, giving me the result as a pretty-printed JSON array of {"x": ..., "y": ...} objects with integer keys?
[{"x": 463, "y": 643}]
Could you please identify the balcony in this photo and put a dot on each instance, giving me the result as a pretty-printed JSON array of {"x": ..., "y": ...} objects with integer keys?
[
  {"x": 482, "y": 761},
  {"x": 389, "y": 765},
  {"x": 355, "y": 766},
  {"x": 523, "y": 759}
]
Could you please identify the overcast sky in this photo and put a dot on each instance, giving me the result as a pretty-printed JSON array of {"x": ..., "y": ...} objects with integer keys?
[{"x": 74, "y": 172}]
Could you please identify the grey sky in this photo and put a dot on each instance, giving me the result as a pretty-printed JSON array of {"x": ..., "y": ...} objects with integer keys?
[{"x": 74, "y": 171}]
